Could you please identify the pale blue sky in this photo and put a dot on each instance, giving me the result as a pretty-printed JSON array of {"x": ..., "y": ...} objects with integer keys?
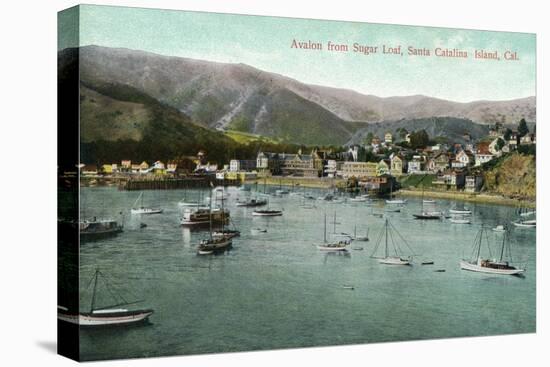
[{"x": 264, "y": 42}]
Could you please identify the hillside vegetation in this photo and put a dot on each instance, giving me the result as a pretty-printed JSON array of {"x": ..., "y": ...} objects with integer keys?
[{"x": 513, "y": 175}]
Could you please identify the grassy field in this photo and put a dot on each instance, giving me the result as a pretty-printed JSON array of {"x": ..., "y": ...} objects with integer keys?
[
  {"x": 245, "y": 138},
  {"x": 409, "y": 181}
]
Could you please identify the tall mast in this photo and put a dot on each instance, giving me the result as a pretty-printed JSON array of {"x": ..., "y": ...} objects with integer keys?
[
  {"x": 325, "y": 233},
  {"x": 387, "y": 252},
  {"x": 210, "y": 214},
  {"x": 479, "y": 247},
  {"x": 96, "y": 275},
  {"x": 502, "y": 248},
  {"x": 223, "y": 214},
  {"x": 334, "y": 223}
]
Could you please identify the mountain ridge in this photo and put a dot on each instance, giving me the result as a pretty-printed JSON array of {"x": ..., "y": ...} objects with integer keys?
[{"x": 240, "y": 97}]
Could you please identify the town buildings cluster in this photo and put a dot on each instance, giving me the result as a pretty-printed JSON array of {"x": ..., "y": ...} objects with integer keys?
[{"x": 455, "y": 166}]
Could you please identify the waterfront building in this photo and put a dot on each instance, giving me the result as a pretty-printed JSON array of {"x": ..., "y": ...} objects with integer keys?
[
  {"x": 359, "y": 169},
  {"x": 473, "y": 183},
  {"x": 107, "y": 169},
  {"x": 416, "y": 165},
  {"x": 396, "y": 165},
  {"x": 331, "y": 168},
  {"x": 383, "y": 168},
  {"x": 462, "y": 159},
  {"x": 439, "y": 162},
  {"x": 451, "y": 179},
  {"x": 89, "y": 170},
  {"x": 236, "y": 165},
  {"x": 300, "y": 165},
  {"x": 171, "y": 167}
]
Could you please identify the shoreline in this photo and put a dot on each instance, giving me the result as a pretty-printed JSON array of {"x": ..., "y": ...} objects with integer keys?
[
  {"x": 469, "y": 197},
  {"x": 313, "y": 183}
]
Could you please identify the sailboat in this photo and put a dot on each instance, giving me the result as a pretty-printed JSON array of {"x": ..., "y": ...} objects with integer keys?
[
  {"x": 142, "y": 209},
  {"x": 525, "y": 223},
  {"x": 491, "y": 266},
  {"x": 461, "y": 211},
  {"x": 104, "y": 316},
  {"x": 391, "y": 200},
  {"x": 359, "y": 238},
  {"x": 425, "y": 214},
  {"x": 226, "y": 232},
  {"x": 267, "y": 212},
  {"x": 393, "y": 254},
  {"x": 215, "y": 244},
  {"x": 332, "y": 246}
]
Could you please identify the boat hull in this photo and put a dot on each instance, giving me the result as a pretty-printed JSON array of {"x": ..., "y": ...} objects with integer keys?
[
  {"x": 524, "y": 225},
  {"x": 146, "y": 211},
  {"x": 267, "y": 214},
  {"x": 394, "y": 261},
  {"x": 465, "y": 265},
  {"x": 107, "y": 319},
  {"x": 331, "y": 248},
  {"x": 463, "y": 212},
  {"x": 426, "y": 216},
  {"x": 460, "y": 221}
]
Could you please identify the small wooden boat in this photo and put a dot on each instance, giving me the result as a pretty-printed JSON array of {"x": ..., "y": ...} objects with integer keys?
[
  {"x": 258, "y": 230},
  {"x": 427, "y": 263},
  {"x": 142, "y": 209},
  {"x": 428, "y": 215},
  {"x": 499, "y": 228},
  {"x": 525, "y": 224},
  {"x": 350, "y": 287},
  {"x": 267, "y": 213},
  {"x": 228, "y": 233},
  {"x": 392, "y": 210},
  {"x": 358, "y": 199},
  {"x": 252, "y": 203},
  {"x": 396, "y": 201},
  {"x": 460, "y": 220},
  {"x": 460, "y": 211}
]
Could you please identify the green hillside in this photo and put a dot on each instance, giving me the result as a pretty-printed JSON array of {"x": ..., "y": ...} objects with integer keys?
[{"x": 513, "y": 175}]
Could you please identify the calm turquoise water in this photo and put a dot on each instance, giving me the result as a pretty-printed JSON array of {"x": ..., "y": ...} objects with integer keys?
[{"x": 277, "y": 290}]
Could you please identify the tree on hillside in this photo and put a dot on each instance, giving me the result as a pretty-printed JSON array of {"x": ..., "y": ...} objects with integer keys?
[
  {"x": 500, "y": 144},
  {"x": 402, "y": 133},
  {"x": 419, "y": 139},
  {"x": 507, "y": 134},
  {"x": 368, "y": 139},
  {"x": 522, "y": 128}
]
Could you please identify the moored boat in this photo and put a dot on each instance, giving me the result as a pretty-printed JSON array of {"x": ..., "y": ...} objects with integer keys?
[
  {"x": 94, "y": 229},
  {"x": 340, "y": 245},
  {"x": 267, "y": 213},
  {"x": 104, "y": 316},
  {"x": 202, "y": 216},
  {"x": 498, "y": 266},
  {"x": 392, "y": 252},
  {"x": 143, "y": 209}
]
